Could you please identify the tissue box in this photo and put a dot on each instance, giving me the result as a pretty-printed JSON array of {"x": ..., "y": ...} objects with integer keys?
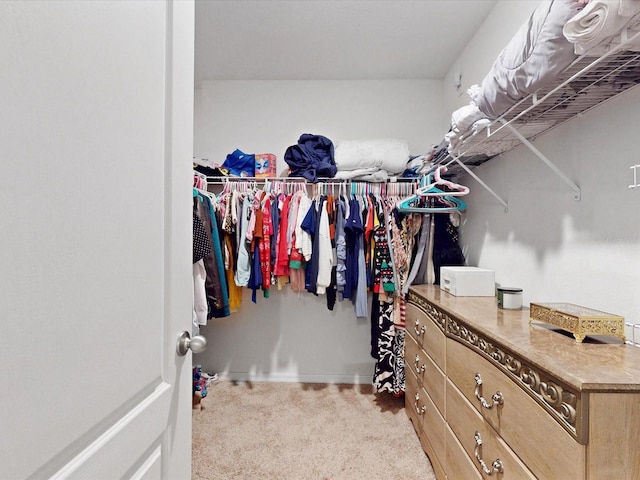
[
  {"x": 265, "y": 165},
  {"x": 468, "y": 281}
]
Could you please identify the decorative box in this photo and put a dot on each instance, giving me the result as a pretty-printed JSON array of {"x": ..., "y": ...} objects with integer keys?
[
  {"x": 265, "y": 165},
  {"x": 468, "y": 281},
  {"x": 580, "y": 321}
]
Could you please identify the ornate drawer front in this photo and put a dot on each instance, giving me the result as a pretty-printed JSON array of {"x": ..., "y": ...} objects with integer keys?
[
  {"x": 487, "y": 451},
  {"x": 458, "y": 464},
  {"x": 432, "y": 441},
  {"x": 542, "y": 443},
  {"x": 424, "y": 411},
  {"x": 414, "y": 410},
  {"x": 426, "y": 370},
  {"x": 427, "y": 334}
]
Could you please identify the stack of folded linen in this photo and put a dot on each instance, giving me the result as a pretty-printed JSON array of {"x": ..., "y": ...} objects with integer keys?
[
  {"x": 371, "y": 160},
  {"x": 466, "y": 122}
]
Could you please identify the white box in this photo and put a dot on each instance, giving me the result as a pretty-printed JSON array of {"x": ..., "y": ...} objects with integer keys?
[{"x": 468, "y": 281}]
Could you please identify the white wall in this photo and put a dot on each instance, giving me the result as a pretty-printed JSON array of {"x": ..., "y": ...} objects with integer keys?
[
  {"x": 268, "y": 116},
  {"x": 561, "y": 250},
  {"x": 478, "y": 56},
  {"x": 557, "y": 249},
  {"x": 291, "y": 337}
]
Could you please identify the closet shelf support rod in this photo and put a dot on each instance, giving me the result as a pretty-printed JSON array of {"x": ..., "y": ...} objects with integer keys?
[
  {"x": 449, "y": 159},
  {"x": 550, "y": 164},
  {"x": 484, "y": 185}
]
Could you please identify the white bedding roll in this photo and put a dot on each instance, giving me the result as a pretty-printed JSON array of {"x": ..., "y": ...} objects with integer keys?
[
  {"x": 391, "y": 155},
  {"x": 598, "y": 22},
  {"x": 535, "y": 55}
]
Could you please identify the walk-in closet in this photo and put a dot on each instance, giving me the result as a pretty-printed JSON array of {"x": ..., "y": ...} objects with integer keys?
[
  {"x": 537, "y": 133},
  {"x": 328, "y": 239}
]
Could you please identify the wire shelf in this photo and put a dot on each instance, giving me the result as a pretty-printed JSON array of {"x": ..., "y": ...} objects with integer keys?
[{"x": 587, "y": 82}]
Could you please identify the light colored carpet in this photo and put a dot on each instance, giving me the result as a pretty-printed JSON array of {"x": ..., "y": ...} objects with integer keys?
[{"x": 293, "y": 431}]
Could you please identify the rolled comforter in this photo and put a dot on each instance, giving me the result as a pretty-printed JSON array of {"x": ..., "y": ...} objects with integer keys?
[
  {"x": 378, "y": 154},
  {"x": 593, "y": 28},
  {"x": 534, "y": 56}
]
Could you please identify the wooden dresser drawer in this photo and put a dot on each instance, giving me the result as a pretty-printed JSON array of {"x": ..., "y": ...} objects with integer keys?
[
  {"x": 427, "y": 334},
  {"x": 541, "y": 443},
  {"x": 614, "y": 432},
  {"x": 426, "y": 370},
  {"x": 546, "y": 406},
  {"x": 477, "y": 437},
  {"x": 423, "y": 410},
  {"x": 458, "y": 464},
  {"x": 411, "y": 405}
]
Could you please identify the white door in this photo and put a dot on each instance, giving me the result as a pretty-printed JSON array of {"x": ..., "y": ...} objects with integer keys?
[{"x": 96, "y": 112}]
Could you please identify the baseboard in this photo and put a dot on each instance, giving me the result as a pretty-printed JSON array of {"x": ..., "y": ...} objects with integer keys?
[{"x": 352, "y": 379}]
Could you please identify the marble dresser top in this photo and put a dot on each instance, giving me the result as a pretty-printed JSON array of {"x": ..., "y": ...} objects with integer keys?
[{"x": 597, "y": 364}]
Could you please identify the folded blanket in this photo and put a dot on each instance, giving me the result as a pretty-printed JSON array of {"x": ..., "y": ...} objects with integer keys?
[
  {"x": 363, "y": 174},
  {"x": 597, "y": 23},
  {"x": 456, "y": 138},
  {"x": 376, "y": 177},
  {"x": 346, "y": 174},
  {"x": 463, "y": 118},
  {"x": 386, "y": 154}
]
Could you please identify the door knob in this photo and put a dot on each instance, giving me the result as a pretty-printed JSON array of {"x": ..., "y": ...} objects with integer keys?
[{"x": 197, "y": 344}]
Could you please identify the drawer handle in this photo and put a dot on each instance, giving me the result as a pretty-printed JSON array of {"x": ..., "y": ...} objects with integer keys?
[
  {"x": 421, "y": 330},
  {"x": 496, "y": 465},
  {"x": 497, "y": 398},
  {"x": 419, "y": 368},
  {"x": 420, "y": 410}
]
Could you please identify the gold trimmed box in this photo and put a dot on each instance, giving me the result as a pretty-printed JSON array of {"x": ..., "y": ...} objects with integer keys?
[{"x": 580, "y": 321}]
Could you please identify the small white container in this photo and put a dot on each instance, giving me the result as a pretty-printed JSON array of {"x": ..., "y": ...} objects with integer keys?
[
  {"x": 509, "y": 298},
  {"x": 468, "y": 281}
]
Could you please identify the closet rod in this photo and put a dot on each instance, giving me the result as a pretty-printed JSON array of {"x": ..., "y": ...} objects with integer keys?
[
  {"x": 321, "y": 181},
  {"x": 355, "y": 180},
  {"x": 223, "y": 180}
]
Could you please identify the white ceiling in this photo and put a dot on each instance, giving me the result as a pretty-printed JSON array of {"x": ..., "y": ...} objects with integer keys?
[{"x": 332, "y": 39}]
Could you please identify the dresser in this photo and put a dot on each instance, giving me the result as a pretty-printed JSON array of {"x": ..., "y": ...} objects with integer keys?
[{"x": 491, "y": 395}]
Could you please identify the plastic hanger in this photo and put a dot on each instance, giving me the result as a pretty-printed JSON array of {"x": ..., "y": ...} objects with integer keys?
[
  {"x": 430, "y": 190},
  {"x": 412, "y": 204},
  {"x": 447, "y": 202}
]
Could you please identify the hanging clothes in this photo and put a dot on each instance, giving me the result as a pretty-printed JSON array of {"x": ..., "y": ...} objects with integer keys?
[
  {"x": 360, "y": 298},
  {"x": 216, "y": 234},
  {"x": 341, "y": 247},
  {"x": 216, "y": 302},
  {"x": 243, "y": 261},
  {"x": 281, "y": 268},
  {"x": 229, "y": 222},
  {"x": 446, "y": 248},
  {"x": 325, "y": 250},
  {"x": 201, "y": 248},
  {"x": 310, "y": 225},
  {"x": 420, "y": 252},
  {"x": 338, "y": 246},
  {"x": 264, "y": 246},
  {"x": 353, "y": 231}
]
